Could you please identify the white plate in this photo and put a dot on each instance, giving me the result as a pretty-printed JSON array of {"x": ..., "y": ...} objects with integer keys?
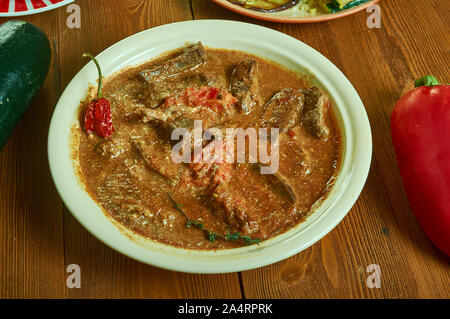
[
  {"x": 15, "y": 8},
  {"x": 254, "y": 39}
]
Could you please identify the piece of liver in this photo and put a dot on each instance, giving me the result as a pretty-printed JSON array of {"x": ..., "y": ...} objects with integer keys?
[
  {"x": 189, "y": 59},
  {"x": 244, "y": 85},
  {"x": 316, "y": 107},
  {"x": 283, "y": 110}
]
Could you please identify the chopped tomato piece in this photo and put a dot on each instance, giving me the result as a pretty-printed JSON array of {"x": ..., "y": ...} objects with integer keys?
[
  {"x": 291, "y": 133},
  {"x": 218, "y": 100}
]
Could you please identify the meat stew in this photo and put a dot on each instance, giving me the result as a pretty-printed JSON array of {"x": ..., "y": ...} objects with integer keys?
[{"x": 209, "y": 203}]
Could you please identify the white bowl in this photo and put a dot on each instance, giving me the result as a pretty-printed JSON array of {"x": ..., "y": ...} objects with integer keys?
[{"x": 295, "y": 55}]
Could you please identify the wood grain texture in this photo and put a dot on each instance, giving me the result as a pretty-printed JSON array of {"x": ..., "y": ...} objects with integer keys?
[
  {"x": 31, "y": 220},
  {"x": 106, "y": 273},
  {"x": 39, "y": 237},
  {"x": 380, "y": 229}
]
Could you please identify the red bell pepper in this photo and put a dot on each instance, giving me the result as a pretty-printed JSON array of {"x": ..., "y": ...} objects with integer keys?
[{"x": 420, "y": 126}]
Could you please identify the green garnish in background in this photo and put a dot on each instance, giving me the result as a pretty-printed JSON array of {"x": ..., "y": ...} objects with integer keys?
[{"x": 334, "y": 5}]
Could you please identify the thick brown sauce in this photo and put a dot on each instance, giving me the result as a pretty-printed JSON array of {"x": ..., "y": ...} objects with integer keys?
[{"x": 137, "y": 197}]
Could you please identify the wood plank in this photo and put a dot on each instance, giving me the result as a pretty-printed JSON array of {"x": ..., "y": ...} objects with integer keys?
[
  {"x": 31, "y": 220},
  {"x": 39, "y": 238},
  {"x": 106, "y": 273},
  {"x": 382, "y": 65},
  {"x": 395, "y": 51}
]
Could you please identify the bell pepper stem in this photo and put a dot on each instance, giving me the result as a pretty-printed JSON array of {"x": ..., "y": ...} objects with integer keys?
[
  {"x": 100, "y": 77},
  {"x": 427, "y": 80}
]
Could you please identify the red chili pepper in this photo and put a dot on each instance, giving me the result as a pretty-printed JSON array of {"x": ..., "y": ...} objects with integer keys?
[
  {"x": 420, "y": 125},
  {"x": 98, "y": 118}
]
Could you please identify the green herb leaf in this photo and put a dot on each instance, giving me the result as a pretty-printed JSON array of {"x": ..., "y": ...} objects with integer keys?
[
  {"x": 232, "y": 237},
  {"x": 197, "y": 224},
  {"x": 210, "y": 235},
  {"x": 250, "y": 241}
]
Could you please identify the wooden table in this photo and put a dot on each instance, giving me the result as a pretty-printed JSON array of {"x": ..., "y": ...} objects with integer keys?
[{"x": 39, "y": 237}]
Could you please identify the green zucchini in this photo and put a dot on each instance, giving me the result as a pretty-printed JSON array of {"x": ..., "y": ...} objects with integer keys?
[{"x": 25, "y": 56}]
